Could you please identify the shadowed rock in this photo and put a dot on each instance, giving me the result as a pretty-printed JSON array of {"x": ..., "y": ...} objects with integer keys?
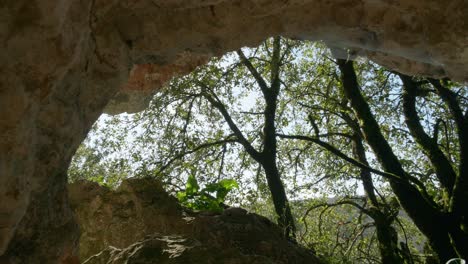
[{"x": 141, "y": 223}]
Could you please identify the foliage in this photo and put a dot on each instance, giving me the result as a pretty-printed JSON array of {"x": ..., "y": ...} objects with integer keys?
[
  {"x": 341, "y": 233},
  {"x": 183, "y": 139},
  {"x": 210, "y": 198},
  {"x": 90, "y": 163}
]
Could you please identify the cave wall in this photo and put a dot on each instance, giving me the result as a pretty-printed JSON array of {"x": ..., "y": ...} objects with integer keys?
[{"x": 62, "y": 61}]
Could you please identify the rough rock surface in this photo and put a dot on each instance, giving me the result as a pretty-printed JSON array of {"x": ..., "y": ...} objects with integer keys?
[
  {"x": 63, "y": 60},
  {"x": 120, "y": 218},
  {"x": 141, "y": 223},
  {"x": 135, "y": 95}
]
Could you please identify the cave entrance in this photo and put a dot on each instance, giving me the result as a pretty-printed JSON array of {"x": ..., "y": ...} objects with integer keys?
[{"x": 63, "y": 64}]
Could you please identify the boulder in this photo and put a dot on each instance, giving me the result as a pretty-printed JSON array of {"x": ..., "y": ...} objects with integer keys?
[{"x": 140, "y": 223}]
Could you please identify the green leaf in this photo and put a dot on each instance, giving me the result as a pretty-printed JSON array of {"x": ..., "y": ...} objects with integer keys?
[
  {"x": 229, "y": 184},
  {"x": 182, "y": 196},
  {"x": 212, "y": 187},
  {"x": 221, "y": 194},
  {"x": 192, "y": 185},
  {"x": 226, "y": 186}
]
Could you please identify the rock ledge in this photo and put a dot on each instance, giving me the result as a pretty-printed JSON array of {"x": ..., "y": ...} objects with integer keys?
[{"x": 141, "y": 223}]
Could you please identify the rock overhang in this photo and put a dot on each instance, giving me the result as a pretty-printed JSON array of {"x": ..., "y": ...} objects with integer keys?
[{"x": 63, "y": 61}]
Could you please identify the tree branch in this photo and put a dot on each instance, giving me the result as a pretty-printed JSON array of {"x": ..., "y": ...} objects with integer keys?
[
  {"x": 352, "y": 161},
  {"x": 419, "y": 206},
  {"x": 257, "y": 76},
  {"x": 232, "y": 125},
  {"x": 444, "y": 170},
  {"x": 450, "y": 99},
  {"x": 199, "y": 147}
]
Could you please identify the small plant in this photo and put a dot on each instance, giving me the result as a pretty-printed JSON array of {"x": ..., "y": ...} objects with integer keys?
[{"x": 210, "y": 198}]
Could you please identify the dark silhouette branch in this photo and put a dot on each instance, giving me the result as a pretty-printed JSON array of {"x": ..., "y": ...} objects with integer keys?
[
  {"x": 421, "y": 208},
  {"x": 443, "y": 168},
  {"x": 257, "y": 76},
  {"x": 352, "y": 161}
]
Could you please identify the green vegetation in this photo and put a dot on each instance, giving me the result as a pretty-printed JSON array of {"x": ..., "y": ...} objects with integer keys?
[
  {"x": 360, "y": 163},
  {"x": 203, "y": 199}
]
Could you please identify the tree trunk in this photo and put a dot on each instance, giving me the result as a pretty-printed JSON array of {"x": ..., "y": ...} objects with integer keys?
[
  {"x": 267, "y": 157},
  {"x": 388, "y": 241},
  {"x": 424, "y": 214},
  {"x": 280, "y": 200},
  {"x": 386, "y": 234},
  {"x": 444, "y": 170},
  {"x": 269, "y": 153}
]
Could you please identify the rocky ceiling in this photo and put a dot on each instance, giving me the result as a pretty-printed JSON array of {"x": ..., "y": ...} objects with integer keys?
[{"x": 62, "y": 61}]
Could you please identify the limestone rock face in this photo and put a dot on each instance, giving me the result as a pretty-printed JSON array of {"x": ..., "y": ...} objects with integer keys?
[
  {"x": 141, "y": 223},
  {"x": 135, "y": 95},
  {"x": 120, "y": 218},
  {"x": 62, "y": 61}
]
